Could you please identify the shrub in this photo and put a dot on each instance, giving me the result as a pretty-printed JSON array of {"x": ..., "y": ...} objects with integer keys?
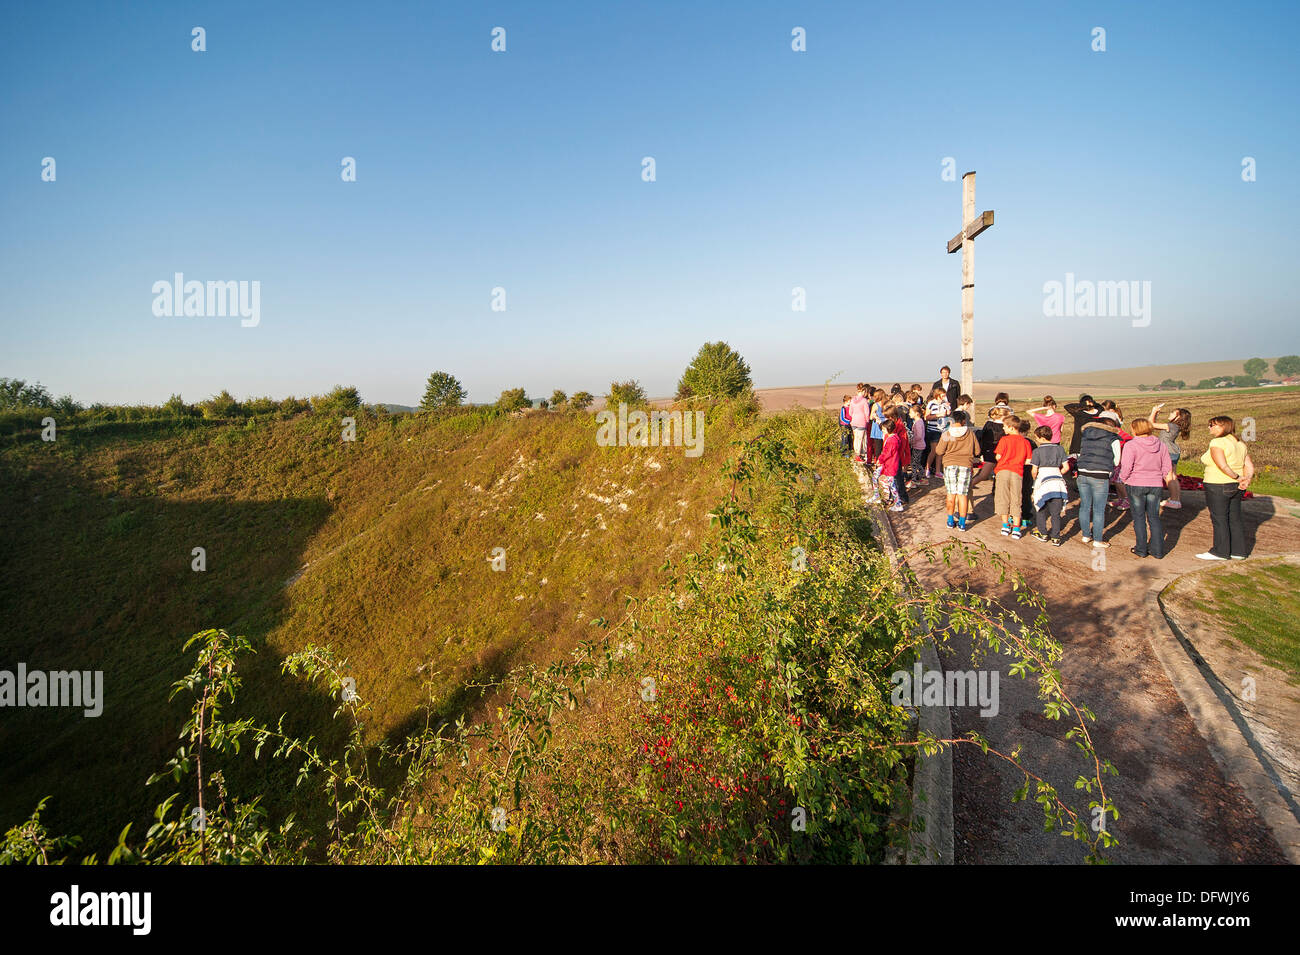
[
  {"x": 339, "y": 399},
  {"x": 629, "y": 392},
  {"x": 717, "y": 371},
  {"x": 222, "y": 405},
  {"x": 581, "y": 400},
  {"x": 513, "y": 399},
  {"x": 558, "y": 398},
  {"x": 16, "y": 394}
]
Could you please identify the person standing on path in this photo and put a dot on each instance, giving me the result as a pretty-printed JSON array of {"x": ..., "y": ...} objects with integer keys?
[
  {"x": 1082, "y": 411},
  {"x": 957, "y": 451},
  {"x": 846, "y": 426},
  {"x": 1048, "y": 466},
  {"x": 951, "y": 389},
  {"x": 1011, "y": 453},
  {"x": 937, "y": 411},
  {"x": 859, "y": 408},
  {"x": 1228, "y": 472},
  {"x": 1179, "y": 426},
  {"x": 1048, "y": 416},
  {"x": 1098, "y": 456},
  {"x": 1145, "y": 469}
]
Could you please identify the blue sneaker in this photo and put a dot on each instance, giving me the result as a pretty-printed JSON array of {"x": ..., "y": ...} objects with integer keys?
[{"x": 952, "y": 522}]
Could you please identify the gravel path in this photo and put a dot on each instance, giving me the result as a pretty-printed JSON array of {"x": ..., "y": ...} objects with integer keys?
[{"x": 1175, "y": 804}]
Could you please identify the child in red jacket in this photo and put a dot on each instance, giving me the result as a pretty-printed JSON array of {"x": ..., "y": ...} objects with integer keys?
[{"x": 895, "y": 455}]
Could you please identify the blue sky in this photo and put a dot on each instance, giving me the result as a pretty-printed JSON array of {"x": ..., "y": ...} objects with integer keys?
[{"x": 522, "y": 170}]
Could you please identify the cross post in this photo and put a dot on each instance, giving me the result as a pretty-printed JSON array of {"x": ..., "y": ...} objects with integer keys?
[{"x": 972, "y": 225}]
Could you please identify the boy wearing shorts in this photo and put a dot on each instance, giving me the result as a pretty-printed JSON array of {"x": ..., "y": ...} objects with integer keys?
[{"x": 957, "y": 451}]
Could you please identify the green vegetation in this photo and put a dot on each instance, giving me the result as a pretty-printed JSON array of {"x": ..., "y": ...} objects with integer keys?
[
  {"x": 1287, "y": 365},
  {"x": 513, "y": 399},
  {"x": 1255, "y": 367},
  {"x": 1258, "y": 606},
  {"x": 717, "y": 371},
  {"x": 442, "y": 391},
  {"x": 581, "y": 400},
  {"x": 625, "y": 392}
]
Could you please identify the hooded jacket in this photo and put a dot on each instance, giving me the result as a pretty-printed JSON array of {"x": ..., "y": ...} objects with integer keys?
[
  {"x": 1144, "y": 461},
  {"x": 1098, "y": 449},
  {"x": 858, "y": 407}
]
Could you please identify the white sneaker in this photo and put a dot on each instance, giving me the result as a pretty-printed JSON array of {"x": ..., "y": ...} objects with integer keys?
[
  {"x": 1235, "y": 557},
  {"x": 1086, "y": 540},
  {"x": 1208, "y": 556},
  {"x": 897, "y": 507},
  {"x": 1175, "y": 505},
  {"x": 1100, "y": 544}
]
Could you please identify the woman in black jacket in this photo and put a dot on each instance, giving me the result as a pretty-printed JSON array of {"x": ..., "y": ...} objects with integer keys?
[{"x": 1082, "y": 411}]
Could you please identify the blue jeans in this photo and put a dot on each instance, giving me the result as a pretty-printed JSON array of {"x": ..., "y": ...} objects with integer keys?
[
  {"x": 1092, "y": 505},
  {"x": 1145, "y": 504}
]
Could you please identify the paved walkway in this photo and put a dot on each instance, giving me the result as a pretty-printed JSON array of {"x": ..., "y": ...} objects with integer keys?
[{"x": 1175, "y": 804}]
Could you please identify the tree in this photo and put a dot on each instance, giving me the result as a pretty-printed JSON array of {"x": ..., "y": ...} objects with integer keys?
[
  {"x": 16, "y": 393},
  {"x": 716, "y": 371},
  {"x": 1255, "y": 367},
  {"x": 1287, "y": 365},
  {"x": 558, "y": 398},
  {"x": 1245, "y": 381},
  {"x": 1143, "y": 387},
  {"x": 513, "y": 399},
  {"x": 1172, "y": 383},
  {"x": 581, "y": 400},
  {"x": 627, "y": 392},
  {"x": 442, "y": 391}
]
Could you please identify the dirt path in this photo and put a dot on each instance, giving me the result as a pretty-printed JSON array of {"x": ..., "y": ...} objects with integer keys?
[{"x": 1175, "y": 804}]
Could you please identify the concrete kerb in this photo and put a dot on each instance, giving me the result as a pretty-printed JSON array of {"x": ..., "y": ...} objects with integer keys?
[
  {"x": 1222, "y": 725},
  {"x": 931, "y": 775}
]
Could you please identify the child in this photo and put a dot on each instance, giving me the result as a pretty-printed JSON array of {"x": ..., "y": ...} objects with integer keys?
[
  {"x": 1048, "y": 465},
  {"x": 1010, "y": 454},
  {"x": 877, "y": 424},
  {"x": 937, "y": 414},
  {"x": 891, "y": 462},
  {"x": 989, "y": 436},
  {"x": 917, "y": 414},
  {"x": 1179, "y": 426},
  {"x": 846, "y": 426},
  {"x": 1050, "y": 418},
  {"x": 859, "y": 408},
  {"x": 1027, "y": 479},
  {"x": 958, "y": 451}
]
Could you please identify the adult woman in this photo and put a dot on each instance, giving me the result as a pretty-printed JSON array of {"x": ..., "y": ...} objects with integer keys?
[
  {"x": 1228, "y": 472},
  {"x": 1082, "y": 411},
  {"x": 1047, "y": 416},
  {"x": 1144, "y": 469},
  {"x": 1098, "y": 456},
  {"x": 1179, "y": 426}
]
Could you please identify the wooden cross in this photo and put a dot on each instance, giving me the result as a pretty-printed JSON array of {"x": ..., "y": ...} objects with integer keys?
[{"x": 965, "y": 240}]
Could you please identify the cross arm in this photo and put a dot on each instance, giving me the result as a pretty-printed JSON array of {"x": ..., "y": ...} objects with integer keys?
[{"x": 973, "y": 228}]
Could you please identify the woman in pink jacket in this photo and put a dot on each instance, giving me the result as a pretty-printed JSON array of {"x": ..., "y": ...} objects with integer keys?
[
  {"x": 859, "y": 409},
  {"x": 1144, "y": 469}
]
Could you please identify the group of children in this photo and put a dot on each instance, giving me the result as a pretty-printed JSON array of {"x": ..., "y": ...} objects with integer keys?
[{"x": 909, "y": 437}]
